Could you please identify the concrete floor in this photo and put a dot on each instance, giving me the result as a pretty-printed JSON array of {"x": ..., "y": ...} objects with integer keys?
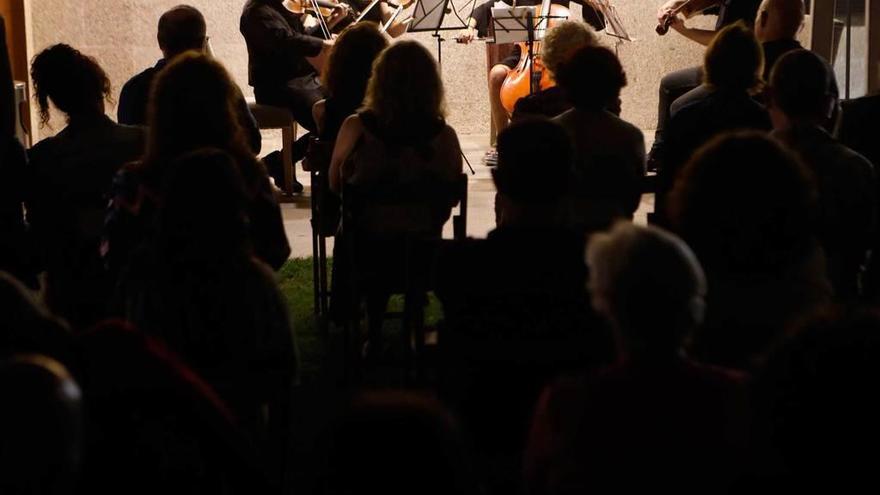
[{"x": 481, "y": 199}]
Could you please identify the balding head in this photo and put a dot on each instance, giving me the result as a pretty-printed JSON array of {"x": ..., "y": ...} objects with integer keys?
[
  {"x": 779, "y": 20},
  {"x": 181, "y": 29}
]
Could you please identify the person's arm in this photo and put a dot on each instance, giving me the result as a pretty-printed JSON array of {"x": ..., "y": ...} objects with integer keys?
[
  {"x": 319, "y": 110},
  {"x": 477, "y": 23},
  {"x": 348, "y": 136},
  {"x": 688, "y": 10},
  {"x": 267, "y": 32}
]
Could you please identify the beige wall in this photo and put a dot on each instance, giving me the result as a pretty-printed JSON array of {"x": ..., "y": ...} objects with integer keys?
[{"x": 121, "y": 34}]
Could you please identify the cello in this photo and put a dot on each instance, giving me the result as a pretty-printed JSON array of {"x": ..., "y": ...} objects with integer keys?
[{"x": 530, "y": 76}]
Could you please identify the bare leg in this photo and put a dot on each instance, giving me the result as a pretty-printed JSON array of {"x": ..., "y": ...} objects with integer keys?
[{"x": 496, "y": 78}]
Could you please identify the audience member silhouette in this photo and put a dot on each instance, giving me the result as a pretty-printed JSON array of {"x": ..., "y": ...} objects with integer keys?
[
  {"x": 815, "y": 417},
  {"x": 609, "y": 152},
  {"x": 69, "y": 180},
  {"x": 41, "y": 430},
  {"x": 803, "y": 97},
  {"x": 153, "y": 426},
  {"x": 181, "y": 29},
  {"x": 396, "y": 442},
  {"x": 776, "y": 27},
  {"x": 348, "y": 70},
  {"x": 732, "y": 67},
  {"x": 397, "y": 149},
  {"x": 560, "y": 42},
  {"x": 860, "y": 125},
  {"x": 516, "y": 310},
  {"x": 191, "y": 108},
  {"x": 15, "y": 252},
  {"x": 198, "y": 288},
  {"x": 746, "y": 207},
  {"x": 632, "y": 426}
]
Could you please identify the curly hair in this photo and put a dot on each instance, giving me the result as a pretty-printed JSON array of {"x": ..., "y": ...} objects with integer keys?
[
  {"x": 351, "y": 60},
  {"x": 564, "y": 39},
  {"x": 405, "y": 92},
  {"x": 73, "y": 81}
]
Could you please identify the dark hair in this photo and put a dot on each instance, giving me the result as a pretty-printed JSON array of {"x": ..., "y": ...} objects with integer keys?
[
  {"x": 734, "y": 59},
  {"x": 192, "y": 106},
  {"x": 745, "y": 205},
  {"x": 397, "y": 442},
  {"x": 350, "y": 64},
  {"x": 74, "y": 82},
  {"x": 203, "y": 213},
  {"x": 181, "y": 28},
  {"x": 592, "y": 78},
  {"x": 801, "y": 84},
  {"x": 534, "y": 162}
]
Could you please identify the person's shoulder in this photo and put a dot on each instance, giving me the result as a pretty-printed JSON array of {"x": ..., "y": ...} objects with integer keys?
[{"x": 140, "y": 81}]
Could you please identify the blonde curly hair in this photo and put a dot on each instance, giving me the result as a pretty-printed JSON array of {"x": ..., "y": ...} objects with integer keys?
[{"x": 562, "y": 40}]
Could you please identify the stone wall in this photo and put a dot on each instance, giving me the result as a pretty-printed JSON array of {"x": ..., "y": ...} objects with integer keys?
[{"x": 121, "y": 35}]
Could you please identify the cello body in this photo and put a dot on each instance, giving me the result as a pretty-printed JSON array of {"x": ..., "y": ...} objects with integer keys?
[{"x": 518, "y": 83}]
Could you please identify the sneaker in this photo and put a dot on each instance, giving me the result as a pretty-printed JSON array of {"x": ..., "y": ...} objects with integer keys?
[{"x": 490, "y": 159}]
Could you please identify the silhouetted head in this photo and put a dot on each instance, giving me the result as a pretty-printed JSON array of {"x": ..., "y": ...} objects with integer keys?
[
  {"x": 534, "y": 170},
  {"x": 350, "y": 63},
  {"x": 802, "y": 90},
  {"x": 405, "y": 91},
  {"x": 181, "y": 29},
  {"x": 734, "y": 61},
  {"x": 192, "y": 106},
  {"x": 397, "y": 443},
  {"x": 40, "y": 426},
  {"x": 592, "y": 78},
  {"x": 203, "y": 212},
  {"x": 562, "y": 40},
  {"x": 649, "y": 284},
  {"x": 816, "y": 406},
  {"x": 74, "y": 82},
  {"x": 745, "y": 205},
  {"x": 779, "y": 20}
]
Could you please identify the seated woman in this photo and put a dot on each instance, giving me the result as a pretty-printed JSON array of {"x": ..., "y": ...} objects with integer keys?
[
  {"x": 732, "y": 71},
  {"x": 399, "y": 142},
  {"x": 345, "y": 80},
  {"x": 345, "y": 76},
  {"x": 191, "y": 107},
  {"x": 69, "y": 179},
  {"x": 609, "y": 152},
  {"x": 198, "y": 287}
]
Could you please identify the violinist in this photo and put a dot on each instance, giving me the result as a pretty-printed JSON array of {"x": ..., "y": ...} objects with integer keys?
[
  {"x": 478, "y": 27},
  {"x": 672, "y": 15},
  {"x": 285, "y": 57}
]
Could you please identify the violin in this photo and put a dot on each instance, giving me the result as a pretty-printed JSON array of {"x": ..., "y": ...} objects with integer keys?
[
  {"x": 530, "y": 76},
  {"x": 666, "y": 23}
]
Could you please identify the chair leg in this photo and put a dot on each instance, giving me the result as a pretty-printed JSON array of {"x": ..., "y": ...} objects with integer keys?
[
  {"x": 322, "y": 252},
  {"x": 316, "y": 225},
  {"x": 288, "y": 134}
]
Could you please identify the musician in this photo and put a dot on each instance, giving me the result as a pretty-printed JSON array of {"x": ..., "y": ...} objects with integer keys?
[
  {"x": 478, "y": 27},
  {"x": 284, "y": 57},
  {"x": 676, "y": 84}
]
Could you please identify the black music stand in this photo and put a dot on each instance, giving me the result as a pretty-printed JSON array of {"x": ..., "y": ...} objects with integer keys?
[{"x": 428, "y": 17}]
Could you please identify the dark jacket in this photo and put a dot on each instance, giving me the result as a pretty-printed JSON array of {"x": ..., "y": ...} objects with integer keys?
[
  {"x": 277, "y": 44},
  {"x": 135, "y": 96}
]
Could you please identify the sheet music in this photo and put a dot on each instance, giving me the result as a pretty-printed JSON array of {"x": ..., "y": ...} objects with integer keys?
[{"x": 613, "y": 24}]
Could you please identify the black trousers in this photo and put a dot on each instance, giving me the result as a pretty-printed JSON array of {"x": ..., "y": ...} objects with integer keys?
[
  {"x": 672, "y": 87},
  {"x": 299, "y": 95}
]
